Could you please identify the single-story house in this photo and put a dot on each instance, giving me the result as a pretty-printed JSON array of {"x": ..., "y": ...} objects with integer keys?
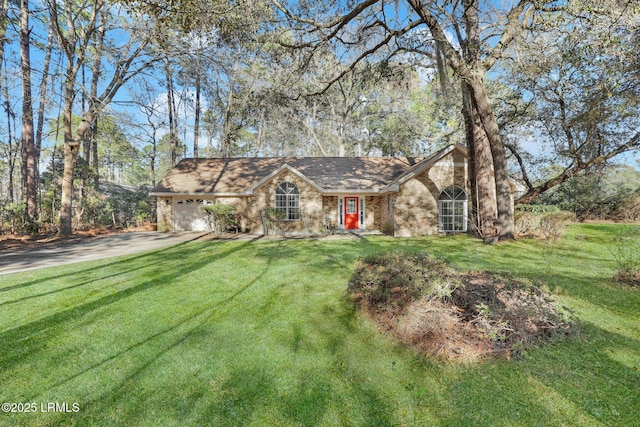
[{"x": 400, "y": 196}]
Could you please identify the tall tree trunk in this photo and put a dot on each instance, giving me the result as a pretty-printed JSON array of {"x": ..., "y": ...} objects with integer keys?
[
  {"x": 11, "y": 154},
  {"x": 70, "y": 150},
  {"x": 501, "y": 176},
  {"x": 30, "y": 183},
  {"x": 43, "y": 99},
  {"x": 66, "y": 198},
  {"x": 173, "y": 137},
  {"x": 86, "y": 143},
  {"x": 95, "y": 164},
  {"x": 467, "y": 114},
  {"x": 196, "y": 125},
  {"x": 86, "y": 154},
  {"x": 4, "y": 22},
  {"x": 484, "y": 175},
  {"x": 72, "y": 142},
  {"x": 472, "y": 72},
  {"x": 152, "y": 159},
  {"x": 75, "y": 45},
  {"x": 260, "y": 137},
  {"x": 225, "y": 140},
  {"x": 341, "y": 148},
  {"x": 96, "y": 72},
  {"x": 481, "y": 169}
]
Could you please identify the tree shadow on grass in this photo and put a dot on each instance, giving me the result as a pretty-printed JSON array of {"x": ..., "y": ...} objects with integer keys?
[
  {"x": 311, "y": 394},
  {"x": 592, "y": 376},
  {"x": 174, "y": 336},
  {"x": 321, "y": 256},
  {"x": 204, "y": 314},
  {"x": 575, "y": 381},
  {"x": 93, "y": 280},
  {"x": 19, "y": 342},
  {"x": 562, "y": 268}
]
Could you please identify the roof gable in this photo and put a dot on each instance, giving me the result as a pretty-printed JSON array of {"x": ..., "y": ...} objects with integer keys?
[
  {"x": 424, "y": 165},
  {"x": 284, "y": 167}
]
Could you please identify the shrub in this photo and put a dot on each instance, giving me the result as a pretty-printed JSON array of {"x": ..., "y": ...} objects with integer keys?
[
  {"x": 388, "y": 227},
  {"x": 392, "y": 280},
  {"x": 542, "y": 222},
  {"x": 553, "y": 225},
  {"x": 117, "y": 206},
  {"x": 220, "y": 217},
  {"x": 536, "y": 209},
  {"x": 12, "y": 217},
  {"x": 625, "y": 250},
  {"x": 272, "y": 220}
]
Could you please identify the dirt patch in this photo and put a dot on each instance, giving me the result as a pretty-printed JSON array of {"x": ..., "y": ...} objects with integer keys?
[
  {"x": 463, "y": 316},
  {"x": 629, "y": 278}
]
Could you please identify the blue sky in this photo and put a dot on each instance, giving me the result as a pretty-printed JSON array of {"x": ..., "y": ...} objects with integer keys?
[{"x": 124, "y": 95}]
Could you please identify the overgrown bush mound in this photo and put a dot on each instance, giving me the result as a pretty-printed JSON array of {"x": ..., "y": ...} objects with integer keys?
[
  {"x": 389, "y": 282},
  {"x": 451, "y": 315}
]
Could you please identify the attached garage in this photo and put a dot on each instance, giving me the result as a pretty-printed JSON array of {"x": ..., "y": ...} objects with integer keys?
[{"x": 188, "y": 214}]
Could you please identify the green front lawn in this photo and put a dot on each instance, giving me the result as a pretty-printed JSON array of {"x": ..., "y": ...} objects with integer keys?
[{"x": 260, "y": 333}]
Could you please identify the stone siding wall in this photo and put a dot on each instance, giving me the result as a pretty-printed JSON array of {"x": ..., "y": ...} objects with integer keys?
[
  {"x": 165, "y": 214},
  {"x": 330, "y": 210},
  {"x": 416, "y": 204},
  {"x": 373, "y": 212},
  {"x": 387, "y": 224},
  {"x": 311, "y": 204}
]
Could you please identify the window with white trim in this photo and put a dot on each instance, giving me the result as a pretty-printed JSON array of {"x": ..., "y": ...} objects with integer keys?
[
  {"x": 288, "y": 201},
  {"x": 452, "y": 210}
]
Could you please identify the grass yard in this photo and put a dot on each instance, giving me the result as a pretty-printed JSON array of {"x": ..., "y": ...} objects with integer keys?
[{"x": 260, "y": 333}]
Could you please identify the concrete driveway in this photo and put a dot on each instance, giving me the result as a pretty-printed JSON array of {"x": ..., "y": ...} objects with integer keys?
[{"x": 95, "y": 248}]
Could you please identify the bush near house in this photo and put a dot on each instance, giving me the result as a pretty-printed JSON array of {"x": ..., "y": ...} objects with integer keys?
[
  {"x": 220, "y": 218},
  {"x": 610, "y": 192}
]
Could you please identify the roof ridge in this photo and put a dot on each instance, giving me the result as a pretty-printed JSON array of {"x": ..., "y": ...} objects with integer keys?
[{"x": 242, "y": 175}]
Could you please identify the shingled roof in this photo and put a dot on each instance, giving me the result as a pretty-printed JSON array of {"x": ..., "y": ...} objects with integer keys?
[{"x": 240, "y": 176}]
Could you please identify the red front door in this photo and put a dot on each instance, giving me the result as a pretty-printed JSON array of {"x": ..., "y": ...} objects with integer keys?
[{"x": 351, "y": 213}]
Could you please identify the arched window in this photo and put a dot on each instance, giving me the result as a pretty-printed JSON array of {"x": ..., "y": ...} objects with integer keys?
[
  {"x": 288, "y": 201},
  {"x": 452, "y": 210}
]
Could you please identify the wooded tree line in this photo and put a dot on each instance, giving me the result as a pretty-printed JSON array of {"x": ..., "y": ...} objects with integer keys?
[{"x": 118, "y": 92}]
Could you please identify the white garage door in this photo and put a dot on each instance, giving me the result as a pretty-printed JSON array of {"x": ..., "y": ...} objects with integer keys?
[{"x": 188, "y": 215}]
